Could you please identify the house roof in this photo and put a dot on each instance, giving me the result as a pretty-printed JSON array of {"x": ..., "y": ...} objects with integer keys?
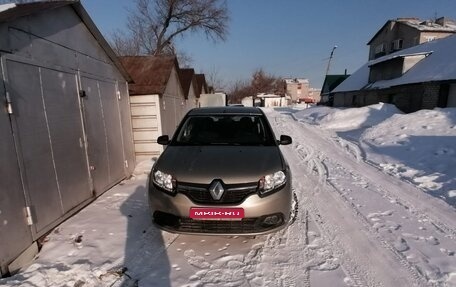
[
  {"x": 10, "y": 12},
  {"x": 150, "y": 74},
  {"x": 186, "y": 77},
  {"x": 420, "y": 25},
  {"x": 439, "y": 65},
  {"x": 200, "y": 84},
  {"x": 429, "y": 25},
  {"x": 332, "y": 81}
]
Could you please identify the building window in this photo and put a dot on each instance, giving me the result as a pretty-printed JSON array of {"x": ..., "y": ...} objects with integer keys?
[
  {"x": 430, "y": 38},
  {"x": 380, "y": 48},
  {"x": 396, "y": 45}
]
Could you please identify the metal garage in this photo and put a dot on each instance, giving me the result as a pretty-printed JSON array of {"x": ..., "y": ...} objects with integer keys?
[
  {"x": 157, "y": 99},
  {"x": 65, "y": 123}
]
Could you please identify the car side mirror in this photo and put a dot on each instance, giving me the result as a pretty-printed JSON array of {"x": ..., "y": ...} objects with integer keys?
[
  {"x": 163, "y": 140},
  {"x": 285, "y": 140}
]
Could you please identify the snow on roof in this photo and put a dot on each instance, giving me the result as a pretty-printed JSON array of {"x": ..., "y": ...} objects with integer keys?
[
  {"x": 8, "y": 6},
  {"x": 295, "y": 81},
  {"x": 441, "y": 25},
  {"x": 396, "y": 55},
  {"x": 440, "y": 65},
  {"x": 429, "y": 25}
]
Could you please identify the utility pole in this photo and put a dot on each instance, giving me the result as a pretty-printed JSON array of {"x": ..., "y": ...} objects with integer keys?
[{"x": 330, "y": 57}]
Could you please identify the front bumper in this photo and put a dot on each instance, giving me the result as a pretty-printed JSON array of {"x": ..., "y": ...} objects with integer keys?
[{"x": 171, "y": 213}]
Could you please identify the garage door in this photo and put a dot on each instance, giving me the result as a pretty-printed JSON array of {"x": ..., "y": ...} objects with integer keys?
[
  {"x": 48, "y": 124},
  {"x": 15, "y": 234},
  {"x": 104, "y": 135}
]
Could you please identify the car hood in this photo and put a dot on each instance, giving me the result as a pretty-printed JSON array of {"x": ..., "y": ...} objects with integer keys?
[{"x": 231, "y": 164}]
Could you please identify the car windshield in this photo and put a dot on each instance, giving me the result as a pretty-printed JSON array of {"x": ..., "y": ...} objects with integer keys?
[{"x": 225, "y": 130}]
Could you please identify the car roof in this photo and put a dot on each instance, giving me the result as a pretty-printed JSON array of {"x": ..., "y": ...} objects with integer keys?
[{"x": 225, "y": 110}]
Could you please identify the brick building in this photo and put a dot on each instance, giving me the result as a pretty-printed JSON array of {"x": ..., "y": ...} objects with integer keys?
[
  {"x": 403, "y": 33},
  {"x": 420, "y": 77}
]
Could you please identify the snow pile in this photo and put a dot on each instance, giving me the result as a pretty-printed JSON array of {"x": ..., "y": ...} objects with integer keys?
[
  {"x": 348, "y": 119},
  {"x": 419, "y": 147}
]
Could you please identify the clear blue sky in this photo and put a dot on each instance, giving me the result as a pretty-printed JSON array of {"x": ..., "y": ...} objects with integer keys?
[{"x": 287, "y": 38}]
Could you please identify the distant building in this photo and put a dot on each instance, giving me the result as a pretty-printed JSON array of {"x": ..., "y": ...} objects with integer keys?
[
  {"x": 297, "y": 89},
  {"x": 201, "y": 84},
  {"x": 315, "y": 94},
  {"x": 213, "y": 100},
  {"x": 158, "y": 101},
  {"x": 330, "y": 83},
  {"x": 271, "y": 100},
  {"x": 420, "y": 77},
  {"x": 189, "y": 85},
  {"x": 404, "y": 33}
]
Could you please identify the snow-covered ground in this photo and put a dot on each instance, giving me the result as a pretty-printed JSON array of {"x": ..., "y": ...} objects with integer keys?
[
  {"x": 418, "y": 147},
  {"x": 376, "y": 207}
]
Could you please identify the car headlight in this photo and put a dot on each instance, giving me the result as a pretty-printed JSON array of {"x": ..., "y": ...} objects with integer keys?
[
  {"x": 164, "y": 181},
  {"x": 272, "y": 182}
]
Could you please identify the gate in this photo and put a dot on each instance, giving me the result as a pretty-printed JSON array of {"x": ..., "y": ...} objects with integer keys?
[
  {"x": 50, "y": 140},
  {"x": 61, "y": 144}
]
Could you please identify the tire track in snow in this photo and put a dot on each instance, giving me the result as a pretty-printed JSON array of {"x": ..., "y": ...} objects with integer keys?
[
  {"x": 365, "y": 221},
  {"x": 412, "y": 199},
  {"x": 318, "y": 165},
  {"x": 308, "y": 156},
  {"x": 351, "y": 148}
]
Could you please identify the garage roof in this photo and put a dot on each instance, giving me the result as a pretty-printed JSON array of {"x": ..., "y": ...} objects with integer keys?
[
  {"x": 150, "y": 74},
  {"x": 10, "y": 12}
]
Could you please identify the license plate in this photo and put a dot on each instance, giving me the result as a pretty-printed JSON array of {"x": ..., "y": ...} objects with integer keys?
[{"x": 206, "y": 213}]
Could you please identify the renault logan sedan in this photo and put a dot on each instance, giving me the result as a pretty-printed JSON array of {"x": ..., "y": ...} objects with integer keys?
[{"x": 221, "y": 173}]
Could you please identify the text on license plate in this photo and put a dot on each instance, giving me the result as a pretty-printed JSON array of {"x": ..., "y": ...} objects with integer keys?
[{"x": 216, "y": 213}]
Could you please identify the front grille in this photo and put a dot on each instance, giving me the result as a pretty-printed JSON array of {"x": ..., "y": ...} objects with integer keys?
[
  {"x": 188, "y": 225},
  {"x": 246, "y": 225},
  {"x": 234, "y": 193}
]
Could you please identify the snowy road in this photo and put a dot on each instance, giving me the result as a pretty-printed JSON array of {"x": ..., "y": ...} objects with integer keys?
[
  {"x": 385, "y": 232},
  {"x": 355, "y": 226}
]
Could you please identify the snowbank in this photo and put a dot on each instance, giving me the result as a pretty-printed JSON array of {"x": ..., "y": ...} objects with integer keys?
[
  {"x": 348, "y": 119},
  {"x": 419, "y": 147}
]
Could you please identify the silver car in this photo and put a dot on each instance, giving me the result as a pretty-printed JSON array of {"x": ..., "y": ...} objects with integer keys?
[{"x": 221, "y": 173}]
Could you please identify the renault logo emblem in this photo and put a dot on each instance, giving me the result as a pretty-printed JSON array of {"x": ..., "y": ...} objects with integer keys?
[{"x": 216, "y": 190}]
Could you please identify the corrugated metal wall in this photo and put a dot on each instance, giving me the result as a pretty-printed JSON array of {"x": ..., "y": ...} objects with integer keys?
[
  {"x": 15, "y": 234},
  {"x": 47, "y": 121},
  {"x": 172, "y": 105},
  {"x": 58, "y": 149},
  {"x": 104, "y": 132}
]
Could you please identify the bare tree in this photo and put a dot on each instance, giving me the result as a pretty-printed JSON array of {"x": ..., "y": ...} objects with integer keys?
[
  {"x": 214, "y": 79},
  {"x": 261, "y": 82},
  {"x": 239, "y": 90},
  {"x": 154, "y": 25},
  {"x": 265, "y": 83}
]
